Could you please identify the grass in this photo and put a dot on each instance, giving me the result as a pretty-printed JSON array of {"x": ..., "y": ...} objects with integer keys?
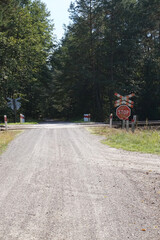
[
  {"x": 78, "y": 121},
  {"x": 5, "y": 138},
  {"x": 75, "y": 120},
  {"x": 25, "y": 123},
  {"x": 145, "y": 141}
]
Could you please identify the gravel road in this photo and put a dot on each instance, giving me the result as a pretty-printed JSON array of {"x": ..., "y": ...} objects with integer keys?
[{"x": 63, "y": 184}]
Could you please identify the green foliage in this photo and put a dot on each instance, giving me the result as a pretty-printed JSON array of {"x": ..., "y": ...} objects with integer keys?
[
  {"x": 110, "y": 46},
  {"x": 6, "y": 137},
  {"x": 146, "y": 141},
  {"x": 25, "y": 44}
]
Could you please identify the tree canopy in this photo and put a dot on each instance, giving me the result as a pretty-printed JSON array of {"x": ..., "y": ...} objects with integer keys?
[
  {"x": 25, "y": 45},
  {"x": 109, "y": 46}
]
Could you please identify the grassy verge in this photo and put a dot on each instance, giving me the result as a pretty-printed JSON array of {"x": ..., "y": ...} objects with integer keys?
[
  {"x": 6, "y": 137},
  {"x": 25, "y": 123},
  {"x": 18, "y": 123},
  {"x": 75, "y": 120},
  {"x": 146, "y": 141},
  {"x": 78, "y": 121}
]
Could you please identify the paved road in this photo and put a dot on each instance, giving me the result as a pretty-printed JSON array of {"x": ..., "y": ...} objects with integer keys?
[{"x": 61, "y": 183}]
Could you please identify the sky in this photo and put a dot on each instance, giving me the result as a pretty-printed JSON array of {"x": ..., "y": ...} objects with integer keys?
[{"x": 59, "y": 14}]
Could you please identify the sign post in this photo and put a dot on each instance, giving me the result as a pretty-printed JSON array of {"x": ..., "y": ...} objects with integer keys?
[
  {"x": 14, "y": 104},
  {"x": 123, "y": 124},
  {"x": 127, "y": 124},
  {"x": 123, "y": 110},
  {"x": 133, "y": 125}
]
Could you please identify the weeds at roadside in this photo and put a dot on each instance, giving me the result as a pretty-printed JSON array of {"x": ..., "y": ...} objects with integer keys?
[
  {"x": 146, "y": 141},
  {"x": 5, "y": 138}
]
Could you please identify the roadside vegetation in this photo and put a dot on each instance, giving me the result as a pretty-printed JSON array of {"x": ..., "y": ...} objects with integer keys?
[
  {"x": 6, "y": 137},
  {"x": 77, "y": 120},
  {"x": 108, "y": 46},
  {"x": 18, "y": 123},
  {"x": 146, "y": 141},
  {"x": 25, "y": 123}
]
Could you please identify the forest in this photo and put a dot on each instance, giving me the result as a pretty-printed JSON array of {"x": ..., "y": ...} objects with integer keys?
[{"x": 109, "y": 46}]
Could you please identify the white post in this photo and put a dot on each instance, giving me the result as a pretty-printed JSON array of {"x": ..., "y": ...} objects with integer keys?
[
  {"x": 111, "y": 120},
  {"x": 22, "y": 119},
  {"x": 5, "y": 121},
  {"x": 87, "y": 117},
  {"x": 127, "y": 124}
]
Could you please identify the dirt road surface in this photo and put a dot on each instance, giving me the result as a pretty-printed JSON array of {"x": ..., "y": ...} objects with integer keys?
[{"x": 58, "y": 182}]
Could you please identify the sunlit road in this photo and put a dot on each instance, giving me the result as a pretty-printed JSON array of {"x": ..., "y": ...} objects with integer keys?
[{"x": 59, "y": 182}]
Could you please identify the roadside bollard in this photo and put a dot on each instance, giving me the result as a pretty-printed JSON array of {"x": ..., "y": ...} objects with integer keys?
[
  {"x": 22, "y": 119},
  {"x": 5, "y": 121},
  {"x": 133, "y": 125},
  {"x": 111, "y": 120},
  {"x": 127, "y": 124},
  {"x": 87, "y": 117}
]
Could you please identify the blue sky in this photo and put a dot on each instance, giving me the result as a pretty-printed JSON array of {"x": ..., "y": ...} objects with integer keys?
[{"x": 59, "y": 13}]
